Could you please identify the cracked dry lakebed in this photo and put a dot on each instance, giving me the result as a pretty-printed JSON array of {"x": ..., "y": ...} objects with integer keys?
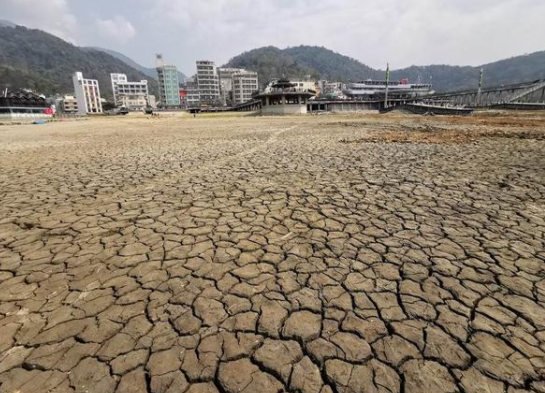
[{"x": 317, "y": 254}]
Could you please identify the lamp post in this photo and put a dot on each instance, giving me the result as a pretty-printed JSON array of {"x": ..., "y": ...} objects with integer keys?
[
  {"x": 387, "y": 85},
  {"x": 480, "y": 87}
]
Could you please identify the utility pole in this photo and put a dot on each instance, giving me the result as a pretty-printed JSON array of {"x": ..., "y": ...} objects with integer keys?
[
  {"x": 479, "y": 92},
  {"x": 387, "y": 85}
]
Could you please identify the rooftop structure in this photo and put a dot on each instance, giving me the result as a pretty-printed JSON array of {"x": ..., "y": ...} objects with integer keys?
[
  {"x": 307, "y": 84},
  {"x": 23, "y": 104},
  {"x": 285, "y": 98}
]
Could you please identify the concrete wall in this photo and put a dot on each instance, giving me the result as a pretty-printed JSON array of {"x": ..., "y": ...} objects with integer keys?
[
  {"x": 350, "y": 107},
  {"x": 339, "y": 107},
  {"x": 292, "y": 109},
  {"x": 25, "y": 116}
]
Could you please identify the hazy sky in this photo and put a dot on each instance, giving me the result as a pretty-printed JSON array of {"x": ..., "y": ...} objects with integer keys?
[{"x": 403, "y": 32}]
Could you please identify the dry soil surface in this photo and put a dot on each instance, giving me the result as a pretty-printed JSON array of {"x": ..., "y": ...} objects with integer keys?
[{"x": 318, "y": 254}]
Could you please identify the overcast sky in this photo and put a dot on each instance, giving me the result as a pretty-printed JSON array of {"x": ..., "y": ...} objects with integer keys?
[{"x": 403, "y": 32}]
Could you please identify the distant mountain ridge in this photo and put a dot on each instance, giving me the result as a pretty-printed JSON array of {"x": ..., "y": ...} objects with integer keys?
[
  {"x": 34, "y": 59},
  {"x": 7, "y": 23},
  {"x": 150, "y": 72},
  {"x": 321, "y": 63},
  {"x": 31, "y": 58}
]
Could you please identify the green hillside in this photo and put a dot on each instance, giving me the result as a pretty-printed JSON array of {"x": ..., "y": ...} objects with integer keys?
[
  {"x": 42, "y": 62},
  {"x": 322, "y": 63},
  {"x": 270, "y": 62},
  {"x": 37, "y": 60},
  {"x": 330, "y": 65}
]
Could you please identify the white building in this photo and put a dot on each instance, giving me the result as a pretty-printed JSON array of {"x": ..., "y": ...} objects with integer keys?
[
  {"x": 226, "y": 83},
  {"x": 244, "y": 85},
  {"x": 69, "y": 105},
  {"x": 330, "y": 89},
  {"x": 306, "y": 84},
  {"x": 208, "y": 82},
  {"x": 193, "y": 97},
  {"x": 87, "y": 94},
  {"x": 132, "y": 95},
  {"x": 152, "y": 101}
]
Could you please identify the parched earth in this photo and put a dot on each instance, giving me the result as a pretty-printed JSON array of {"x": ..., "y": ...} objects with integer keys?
[{"x": 313, "y": 254}]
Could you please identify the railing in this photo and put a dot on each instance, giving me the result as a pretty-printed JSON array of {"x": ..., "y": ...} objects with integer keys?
[{"x": 291, "y": 90}]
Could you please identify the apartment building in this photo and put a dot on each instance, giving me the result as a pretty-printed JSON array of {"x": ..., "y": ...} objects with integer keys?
[
  {"x": 244, "y": 85},
  {"x": 132, "y": 95},
  {"x": 330, "y": 89},
  {"x": 69, "y": 105},
  {"x": 226, "y": 84},
  {"x": 208, "y": 83},
  {"x": 183, "y": 96},
  {"x": 87, "y": 94},
  {"x": 193, "y": 97},
  {"x": 169, "y": 86}
]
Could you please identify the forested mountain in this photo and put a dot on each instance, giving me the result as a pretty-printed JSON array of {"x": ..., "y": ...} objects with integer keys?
[
  {"x": 322, "y": 63},
  {"x": 42, "y": 62},
  {"x": 270, "y": 62},
  {"x": 149, "y": 72},
  {"x": 6, "y": 23},
  {"x": 330, "y": 65},
  {"x": 37, "y": 60},
  {"x": 517, "y": 69}
]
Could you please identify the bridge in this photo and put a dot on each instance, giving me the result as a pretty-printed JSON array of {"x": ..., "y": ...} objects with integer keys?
[
  {"x": 528, "y": 92},
  {"x": 250, "y": 106}
]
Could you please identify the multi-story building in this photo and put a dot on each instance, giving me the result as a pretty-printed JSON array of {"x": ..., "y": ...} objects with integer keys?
[
  {"x": 69, "y": 105},
  {"x": 87, "y": 94},
  {"x": 152, "y": 101},
  {"x": 132, "y": 95},
  {"x": 330, "y": 89},
  {"x": 244, "y": 85},
  {"x": 193, "y": 97},
  {"x": 208, "y": 82},
  {"x": 226, "y": 84},
  {"x": 169, "y": 89},
  {"x": 183, "y": 97}
]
